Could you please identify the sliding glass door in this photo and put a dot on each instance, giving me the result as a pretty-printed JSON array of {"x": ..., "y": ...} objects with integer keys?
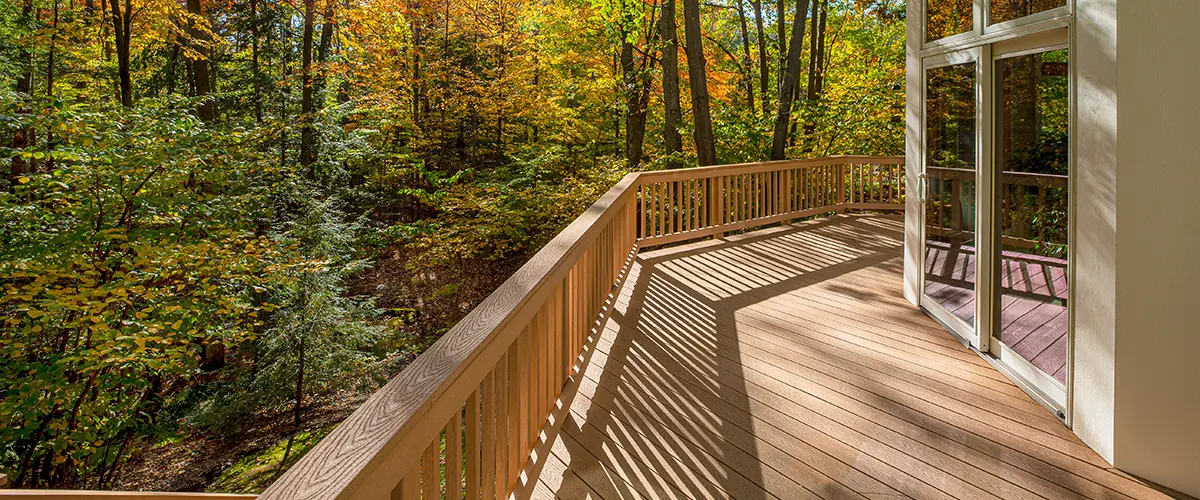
[
  {"x": 995, "y": 174},
  {"x": 1031, "y": 165},
  {"x": 951, "y": 159}
]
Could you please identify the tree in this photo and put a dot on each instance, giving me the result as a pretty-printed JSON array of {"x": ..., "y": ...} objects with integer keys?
[
  {"x": 763, "y": 68},
  {"x": 783, "y": 112},
  {"x": 672, "y": 141},
  {"x": 636, "y": 85},
  {"x": 122, "y": 21},
  {"x": 698, "y": 80},
  {"x": 781, "y": 43},
  {"x": 23, "y": 137},
  {"x": 749, "y": 80},
  {"x": 307, "y": 131},
  {"x": 201, "y": 83},
  {"x": 816, "y": 68}
]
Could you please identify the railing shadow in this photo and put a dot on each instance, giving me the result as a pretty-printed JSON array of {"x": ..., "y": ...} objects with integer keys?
[{"x": 667, "y": 410}]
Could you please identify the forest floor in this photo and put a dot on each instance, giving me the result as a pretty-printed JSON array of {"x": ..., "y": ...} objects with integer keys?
[{"x": 197, "y": 461}]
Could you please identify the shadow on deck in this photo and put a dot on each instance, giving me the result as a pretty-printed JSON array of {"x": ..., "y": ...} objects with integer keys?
[{"x": 784, "y": 363}]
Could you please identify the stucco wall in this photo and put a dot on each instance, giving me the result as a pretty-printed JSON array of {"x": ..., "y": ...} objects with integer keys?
[
  {"x": 1157, "y": 393},
  {"x": 1094, "y": 56}
]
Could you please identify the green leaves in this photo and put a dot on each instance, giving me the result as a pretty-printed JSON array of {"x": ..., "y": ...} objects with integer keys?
[{"x": 115, "y": 267}]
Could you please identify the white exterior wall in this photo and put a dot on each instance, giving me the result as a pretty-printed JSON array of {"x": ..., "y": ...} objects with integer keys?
[
  {"x": 1157, "y": 394},
  {"x": 1094, "y": 292},
  {"x": 1136, "y": 292}
]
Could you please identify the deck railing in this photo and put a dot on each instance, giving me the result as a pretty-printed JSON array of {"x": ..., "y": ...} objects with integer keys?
[
  {"x": 1029, "y": 201},
  {"x": 461, "y": 420}
]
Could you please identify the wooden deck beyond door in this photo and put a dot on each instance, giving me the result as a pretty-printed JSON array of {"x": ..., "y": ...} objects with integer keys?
[{"x": 784, "y": 363}]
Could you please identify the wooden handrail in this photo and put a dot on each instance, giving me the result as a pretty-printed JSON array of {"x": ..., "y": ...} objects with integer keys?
[
  {"x": 685, "y": 204},
  {"x": 478, "y": 375},
  {"x": 464, "y": 416},
  {"x": 1014, "y": 186},
  {"x": 469, "y": 409},
  {"x": 115, "y": 495},
  {"x": 1011, "y": 178}
]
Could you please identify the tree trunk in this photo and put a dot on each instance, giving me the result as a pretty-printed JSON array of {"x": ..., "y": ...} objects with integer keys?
[
  {"x": 307, "y": 157},
  {"x": 286, "y": 89},
  {"x": 295, "y": 409},
  {"x": 254, "y": 69},
  {"x": 741, "y": 8},
  {"x": 816, "y": 63},
  {"x": 697, "y": 78},
  {"x": 172, "y": 63},
  {"x": 23, "y": 137},
  {"x": 672, "y": 141},
  {"x": 49, "y": 162},
  {"x": 326, "y": 43},
  {"x": 784, "y": 111},
  {"x": 416, "y": 76},
  {"x": 206, "y": 110},
  {"x": 121, "y": 37},
  {"x": 635, "y": 109},
  {"x": 781, "y": 41},
  {"x": 763, "y": 68}
]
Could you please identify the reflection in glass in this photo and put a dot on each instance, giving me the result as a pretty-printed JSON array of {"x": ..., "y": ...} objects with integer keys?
[
  {"x": 1031, "y": 153},
  {"x": 1007, "y": 10},
  {"x": 947, "y": 17},
  {"x": 950, "y": 185}
]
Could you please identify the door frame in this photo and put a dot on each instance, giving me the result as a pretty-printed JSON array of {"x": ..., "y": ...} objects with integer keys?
[{"x": 1037, "y": 34}]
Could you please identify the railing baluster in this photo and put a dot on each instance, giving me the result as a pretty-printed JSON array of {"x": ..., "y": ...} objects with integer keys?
[
  {"x": 410, "y": 484},
  {"x": 677, "y": 203},
  {"x": 521, "y": 386},
  {"x": 488, "y": 449},
  {"x": 473, "y": 444},
  {"x": 454, "y": 456},
  {"x": 503, "y": 435}
]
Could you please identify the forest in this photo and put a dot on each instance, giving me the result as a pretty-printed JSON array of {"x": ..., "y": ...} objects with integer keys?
[{"x": 225, "y": 223}]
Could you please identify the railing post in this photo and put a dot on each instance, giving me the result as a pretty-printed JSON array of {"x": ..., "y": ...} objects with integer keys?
[{"x": 841, "y": 188}]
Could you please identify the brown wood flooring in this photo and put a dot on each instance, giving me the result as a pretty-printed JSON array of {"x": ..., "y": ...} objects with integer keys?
[{"x": 784, "y": 363}]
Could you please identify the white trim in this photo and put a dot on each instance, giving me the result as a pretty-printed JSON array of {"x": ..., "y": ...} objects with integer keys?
[
  {"x": 913, "y": 147},
  {"x": 985, "y": 197},
  {"x": 1072, "y": 202},
  {"x": 1011, "y": 34},
  {"x": 1045, "y": 41},
  {"x": 1021, "y": 22},
  {"x": 1030, "y": 374}
]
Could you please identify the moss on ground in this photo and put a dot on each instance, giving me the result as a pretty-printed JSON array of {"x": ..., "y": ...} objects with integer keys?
[{"x": 253, "y": 473}]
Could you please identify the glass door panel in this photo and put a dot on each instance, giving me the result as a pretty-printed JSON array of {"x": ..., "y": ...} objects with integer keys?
[
  {"x": 1032, "y": 158},
  {"x": 950, "y": 194}
]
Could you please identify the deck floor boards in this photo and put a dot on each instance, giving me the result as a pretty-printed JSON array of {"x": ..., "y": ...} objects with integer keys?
[{"x": 784, "y": 363}]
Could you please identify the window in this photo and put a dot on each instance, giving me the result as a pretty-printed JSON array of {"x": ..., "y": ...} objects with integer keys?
[
  {"x": 945, "y": 18},
  {"x": 1007, "y": 10}
]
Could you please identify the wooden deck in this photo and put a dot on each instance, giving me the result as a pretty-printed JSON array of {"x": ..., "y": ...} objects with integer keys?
[{"x": 784, "y": 363}]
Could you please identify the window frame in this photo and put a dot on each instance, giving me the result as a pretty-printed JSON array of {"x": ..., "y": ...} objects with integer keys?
[{"x": 981, "y": 33}]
